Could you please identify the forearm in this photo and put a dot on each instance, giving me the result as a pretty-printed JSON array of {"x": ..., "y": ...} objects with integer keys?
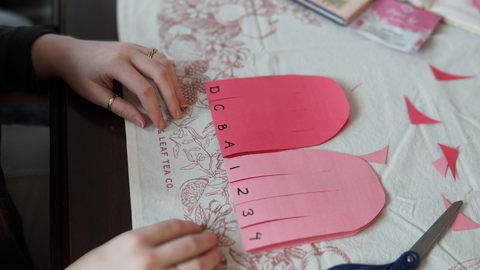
[{"x": 51, "y": 55}]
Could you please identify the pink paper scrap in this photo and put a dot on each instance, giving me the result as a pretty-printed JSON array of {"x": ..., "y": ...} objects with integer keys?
[
  {"x": 356, "y": 86},
  {"x": 326, "y": 194},
  {"x": 451, "y": 157},
  {"x": 417, "y": 117},
  {"x": 441, "y": 164},
  {"x": 443, "y": 76},
  {"x": 460, "y": 222},
  {"x": 274, "y": 113},
  {"x": 379, "y": 156}
]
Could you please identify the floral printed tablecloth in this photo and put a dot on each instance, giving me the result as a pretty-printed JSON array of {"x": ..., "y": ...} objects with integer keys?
[{"x": 179, "y": 173}]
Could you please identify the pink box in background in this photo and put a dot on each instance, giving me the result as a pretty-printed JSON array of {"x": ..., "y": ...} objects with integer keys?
[{"x": 397, "y": 25}]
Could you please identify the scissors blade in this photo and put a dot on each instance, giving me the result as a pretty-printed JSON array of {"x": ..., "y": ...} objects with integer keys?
[{"x": 431, "y": 236}]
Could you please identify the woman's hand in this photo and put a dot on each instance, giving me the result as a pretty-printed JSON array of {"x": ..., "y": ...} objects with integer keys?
[
  {"x": 172, "y": 244},
  {"x": 90, "y": 67}
]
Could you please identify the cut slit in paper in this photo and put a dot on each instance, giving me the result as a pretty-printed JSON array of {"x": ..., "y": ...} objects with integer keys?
[
  {"x": 417, "y": 117},
  {"x": 273, "y": 113},
  {"x": 460, "y": 222},
  {"x": 379, "y": 156},
  {"x": 451, "y": 157},
  {"x": 326, "y": 194},
  {"x": 441, "y": 164},
  {"x": 443, "y": 76}
]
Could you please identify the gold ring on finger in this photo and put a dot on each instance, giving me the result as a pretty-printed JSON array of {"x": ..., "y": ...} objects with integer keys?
[
  {"x": 110, "y": 102},
  {"x": 152, "y": 52}
]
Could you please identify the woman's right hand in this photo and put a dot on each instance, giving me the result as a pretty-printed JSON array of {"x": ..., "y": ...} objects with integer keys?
[
  {"x": 90, "y": 67},
  {"x": 171, "y": 244}
]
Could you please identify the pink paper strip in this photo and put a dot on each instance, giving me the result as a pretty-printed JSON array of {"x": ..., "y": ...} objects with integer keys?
[
  {"x": 282, "y": 185},
  {"x": 417, "y": 117},
  {"x": 356, "y": 86},
  {"x": 326, "y": 194},
  {"x": 292, "y": 206},
  {"x": 291, "y": 232},
  {"x": 451, "y": 156},
  {"x": 461, "y": 222},
  {"x": 443, "y": 76},
  {"x": 273, "y": 113},
  {"x": 379, "y": 156}
]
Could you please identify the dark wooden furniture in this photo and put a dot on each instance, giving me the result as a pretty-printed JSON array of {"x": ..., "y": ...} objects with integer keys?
[{"x": 90, "y": 201}]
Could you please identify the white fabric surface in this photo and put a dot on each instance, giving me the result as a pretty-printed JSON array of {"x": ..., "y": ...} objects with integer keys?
[{"x": 218, "y": 39}]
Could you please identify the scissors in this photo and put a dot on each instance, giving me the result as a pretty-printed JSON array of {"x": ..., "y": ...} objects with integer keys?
[{"x": 411, "y": 259}]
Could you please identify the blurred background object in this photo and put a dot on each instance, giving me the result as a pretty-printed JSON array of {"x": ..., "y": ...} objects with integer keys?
[
  {"x": 25, "y": 141},
  {"x": 33, "y": 11},
  {"x": 13, "y": 19}
]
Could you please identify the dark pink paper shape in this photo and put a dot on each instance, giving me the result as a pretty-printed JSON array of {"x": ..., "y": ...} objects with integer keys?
[
  {"x": 273, "y": 113},
  {"x": 451, "y": 156},
  {"x": 461, "y": 222},
  {"x": 441, "y": 164},
  {"x": 379, "y": 156},
  {"x": 443, "y": 76},
  {"x": 417, "y": 117},
  {"x": 297, "y": 197}
]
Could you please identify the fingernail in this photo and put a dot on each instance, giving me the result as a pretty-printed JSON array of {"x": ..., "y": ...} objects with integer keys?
[
  {"x": 183, "y": 106},
  {"x": 161, "y": 125},
  {"x": 138, "y": 122},
  {"x": 220, "y": 252},
  {"x": 179, "y": 113}
]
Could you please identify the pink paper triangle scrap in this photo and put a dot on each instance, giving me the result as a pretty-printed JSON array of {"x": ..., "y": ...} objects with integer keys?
[
  {"x": 443, "y": 76},
  {"x": 451, "y": 157},
  {"x": 417, "y": 117},
  {"x": 461, "y": 222},
  {"x": 441, "y": 164},
  {"x": 379, "y": 156}
]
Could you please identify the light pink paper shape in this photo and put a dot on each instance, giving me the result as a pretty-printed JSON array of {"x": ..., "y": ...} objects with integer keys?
[
  {"x": 443, "y": 76},
  {"x": 451, "y": 157},
  {"x": 379, "y": 156},
  {"x": 460, "y": 222},
  {"x": 273, "y": 113},
  {"x": 417, "y": 117},
  {"x": 304, "y": 196},
  {"x": 441, "y": 164}
]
